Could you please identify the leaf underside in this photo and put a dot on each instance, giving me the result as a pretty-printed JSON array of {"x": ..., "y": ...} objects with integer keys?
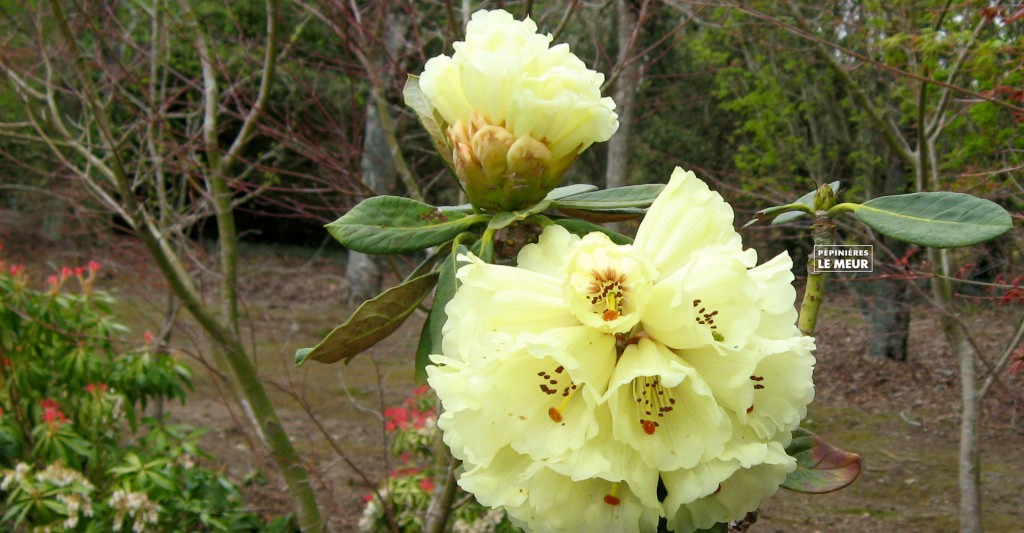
[
  {"x": 373, "y": 321},
  {"x": 820, "y": 466}
]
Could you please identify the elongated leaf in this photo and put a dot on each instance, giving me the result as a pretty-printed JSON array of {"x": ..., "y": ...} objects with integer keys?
[
  {"x": 582, "y": 227},
  {"x": 394, "y": 225},
  {"x": 789, "y": 211},
  {"x": 631, "y": 196},
  {"x": 820, "y": 467},
  {"x": 430, "y": 336},
  {"x": 604, "y": 215},
  {"x": 431, "y": 120},
  {"x": 373, "y": 321},
  {"x": 569, "y": 190},
  {"x": 937, "y": 219}
]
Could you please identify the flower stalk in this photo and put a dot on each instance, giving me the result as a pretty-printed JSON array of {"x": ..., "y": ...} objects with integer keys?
[{"x": 823, "y": 234}]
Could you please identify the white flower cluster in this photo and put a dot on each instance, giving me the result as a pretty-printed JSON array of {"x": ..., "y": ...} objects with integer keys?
[
  {"x": 15, "y": 475},
  {"x": 66, "y": 485},
  {"x": 579, "y": 382},
  {"x": 488, "y": 523},
  {"x": 61, "y": 476},
  {"x": 135, "y": 505},
  {"x": 75, "y": 503},
  {"x": 371, "y": 513}
]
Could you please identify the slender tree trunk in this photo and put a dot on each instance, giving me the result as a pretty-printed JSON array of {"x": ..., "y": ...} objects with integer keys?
[
  {"x": 381, "y": 164},
  {"x": 970, "y": 408},
  {"x": 363, "y": 272},
  {"x": 624, "y": 93},
  {"x": 970, "y": 414}
]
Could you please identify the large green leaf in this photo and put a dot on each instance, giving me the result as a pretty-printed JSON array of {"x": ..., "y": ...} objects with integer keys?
[
  {"x": 431, "y": 120},
  {"x": 430, "y": 336},
  {"x": 820, "y": 467},
  {"x": 936, "y": 219},
  {"x": 394, "y": 225},
  {"x": 582, "y": 227},
  {"x": 373, "y": 321},
  {"x": 608, "y": 199}
]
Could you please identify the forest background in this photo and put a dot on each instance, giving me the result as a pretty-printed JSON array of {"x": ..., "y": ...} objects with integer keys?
[{"x": 198, "y": 148}]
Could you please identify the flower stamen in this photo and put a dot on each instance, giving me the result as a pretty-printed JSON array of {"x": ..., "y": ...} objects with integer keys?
[
  {"x": 653, "y": 402},
  {"x": 555, "y": 413},
  {"x": 706, "y": 318},
  {"x": 609, "y": 287},
  {"x": 612, "y": 498}
]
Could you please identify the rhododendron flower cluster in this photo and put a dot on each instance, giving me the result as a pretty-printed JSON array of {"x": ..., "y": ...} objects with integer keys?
[{"x": 578, "y": 382}]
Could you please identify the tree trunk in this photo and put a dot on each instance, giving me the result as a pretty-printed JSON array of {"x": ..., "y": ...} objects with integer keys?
[
  {"x": 379, "y": 172},
  {"x": 888, "y": 312},
  {"x": 624, "y": 93},
  {"x": 363, "y": 272},
  {"x": 970, "y": 414}
]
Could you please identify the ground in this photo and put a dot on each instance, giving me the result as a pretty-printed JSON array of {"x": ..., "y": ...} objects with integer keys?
[{"x": 903, "y": 418}]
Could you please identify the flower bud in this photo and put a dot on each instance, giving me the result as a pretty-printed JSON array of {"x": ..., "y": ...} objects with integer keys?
[
  {"x": 490, "y": 146},
  {"x": 519, "y": 111},
  {"x": 825, "y": 198}
]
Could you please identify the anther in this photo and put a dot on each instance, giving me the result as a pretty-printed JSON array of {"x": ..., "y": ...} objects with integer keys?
[
  {"x": 612, "y": 498},
  {"x": 555, "y": 413}
]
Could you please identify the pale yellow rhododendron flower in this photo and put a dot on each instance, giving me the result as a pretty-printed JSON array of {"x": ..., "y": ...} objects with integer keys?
[
  {"x": 518, "y": 111},
  {"x": 575, "y": 382}
]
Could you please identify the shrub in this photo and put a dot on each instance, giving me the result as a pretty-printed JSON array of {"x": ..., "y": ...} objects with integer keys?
[{"x": 71, "y": 454}]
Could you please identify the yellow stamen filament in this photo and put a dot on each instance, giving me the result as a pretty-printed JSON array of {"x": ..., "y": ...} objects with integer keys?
[
  {"x": 653, "y": 402},
  {"x": 556, "y": 412},
  {"x": 610, "y": 287}
]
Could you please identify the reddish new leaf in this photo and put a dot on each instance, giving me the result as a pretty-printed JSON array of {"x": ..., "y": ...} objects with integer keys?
[{"x": 820, "y": 466}]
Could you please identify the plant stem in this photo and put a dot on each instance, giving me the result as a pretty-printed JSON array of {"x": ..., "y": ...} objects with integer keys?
[
  {"x": 823, "y": 234},
  {"x": 441, "y": 507}
]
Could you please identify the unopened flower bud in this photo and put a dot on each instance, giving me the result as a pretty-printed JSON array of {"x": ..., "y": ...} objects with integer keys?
[
  {"x": 519, "y": 111},
  {"x": 825, "y": 198},
  {"x": 491, "y": 147}
]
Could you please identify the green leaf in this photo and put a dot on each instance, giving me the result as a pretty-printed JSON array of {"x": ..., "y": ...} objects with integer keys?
[
  {"x": 787, "y": 212},
  {"x": 937, "y": 219},
  {"x": 394, "y": 225},
  {"x": 582, "y": 227},
  {"x": 604, "y": 215},
  {"x": 430, "y": 335},
  {"x": 820, "y": 467},
  {"x": 507, "y": 218},
  {"x": 609, "y": 199},
  {"x": 569, "y": 190},
  {"x": 431, "y": 120},
  {"x": 373, "y": 321}
]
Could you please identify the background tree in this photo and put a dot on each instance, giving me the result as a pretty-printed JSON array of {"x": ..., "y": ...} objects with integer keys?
[{"x": 152, "y": 100}]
